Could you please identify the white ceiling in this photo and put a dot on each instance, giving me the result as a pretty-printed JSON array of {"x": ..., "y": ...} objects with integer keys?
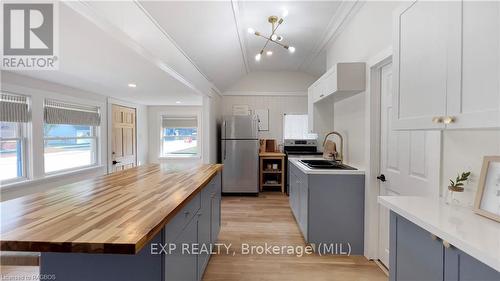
[
  {"x": 211, "y": 32},
  {"x": 93, "y": 60}
]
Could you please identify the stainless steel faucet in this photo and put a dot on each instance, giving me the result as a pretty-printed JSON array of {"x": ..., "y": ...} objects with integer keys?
[{"x": 341, "y": 153}]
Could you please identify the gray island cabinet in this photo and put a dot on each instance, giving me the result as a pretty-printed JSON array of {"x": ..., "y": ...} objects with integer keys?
[
  {"x": 329, "y": 208},
  {"x": 197, "y": 223},
  {"x": 417, "y": 254}
]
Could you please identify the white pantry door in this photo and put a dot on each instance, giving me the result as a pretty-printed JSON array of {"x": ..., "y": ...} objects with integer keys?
[{"x": 409, "y": 161}]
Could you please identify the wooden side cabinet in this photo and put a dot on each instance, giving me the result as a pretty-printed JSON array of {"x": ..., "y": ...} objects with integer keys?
[{"x": 272, "y": 170}]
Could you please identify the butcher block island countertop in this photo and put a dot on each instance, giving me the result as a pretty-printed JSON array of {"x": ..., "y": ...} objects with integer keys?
[{"x": 117, "y": 213}]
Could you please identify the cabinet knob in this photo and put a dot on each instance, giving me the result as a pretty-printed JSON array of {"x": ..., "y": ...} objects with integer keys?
[
  {"x": 446, "y": 244},
  {"x": 437, "y": 120},
  {"x": 449, "y": 119}
]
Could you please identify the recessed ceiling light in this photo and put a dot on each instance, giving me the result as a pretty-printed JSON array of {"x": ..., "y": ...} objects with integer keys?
[
  {"x": 257, "y": 57},
  {"x": 177, "y": 102},
  {"x": 251, "y": 30},
  {"x": 132, "y": 85},
  {"x": 291, "y": 49},
  {"x": 269, "y": 53}
]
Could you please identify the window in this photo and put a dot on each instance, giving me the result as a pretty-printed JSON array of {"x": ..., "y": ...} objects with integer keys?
[
  {"x": 12, "y": 151},
  {"x": 179, "y": 137},
  {"x": 70, "y": 136},
  {"x": 295, "y": 126},
  {"x": 14, "y": 115}
]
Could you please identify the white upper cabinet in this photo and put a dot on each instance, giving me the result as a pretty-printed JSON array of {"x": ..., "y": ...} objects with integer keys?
[
  {"x": 342, "y": 80},
  {"x": 446, "y": 62},
  {"x": 478, "y": 103}
]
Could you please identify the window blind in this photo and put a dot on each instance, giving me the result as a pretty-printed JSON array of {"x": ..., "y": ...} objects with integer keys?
[
  {"x": 14, "y": 108},
  {"x": 179, "y": 122},
  {"x": 295, "y": 126},
  {"x": 56, "y": 112}
]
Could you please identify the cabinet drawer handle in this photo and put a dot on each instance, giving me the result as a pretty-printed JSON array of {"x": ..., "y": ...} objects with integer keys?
[
  {"x": 186, "y": 213},
  {"x": 437, "y": 120},
  {"x": 449, "y": 120},
  {"x": 446, "y": 244}
]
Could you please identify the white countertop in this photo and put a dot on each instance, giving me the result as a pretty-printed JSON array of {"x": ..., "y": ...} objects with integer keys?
[
  {"x": 460, "y": 226},
  {"x": 307, "y": 170}
]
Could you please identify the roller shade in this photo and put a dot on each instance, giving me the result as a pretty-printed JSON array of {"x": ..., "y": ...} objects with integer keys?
[
  {"x": 14, "y": 108},
  {"x": 56, "y": 112},
  {"x": 179, "y": 122}
]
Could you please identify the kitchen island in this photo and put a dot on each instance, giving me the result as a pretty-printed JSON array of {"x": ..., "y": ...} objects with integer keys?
[{"x": 112, "y": 227}]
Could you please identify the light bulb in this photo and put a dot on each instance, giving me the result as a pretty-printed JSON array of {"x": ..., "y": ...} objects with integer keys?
[
  {"x": 274, "y": 37},
  {"x": 251, "y": 30},
  {"x": 132, "y": 85},
  {"x": 291, "y": 49},
  {"x": 269, "y": 53},
  {"x": 257, "y": 57},
  {"x": 285, "y": 14}
]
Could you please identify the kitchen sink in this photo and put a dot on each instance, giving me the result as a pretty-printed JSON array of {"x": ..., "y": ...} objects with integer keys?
[{"x": 326, "y": 164}]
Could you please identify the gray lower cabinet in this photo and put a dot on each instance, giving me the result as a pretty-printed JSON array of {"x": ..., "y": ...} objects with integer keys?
[
  {"x": 329, "y": 209},
  {"x": 419, "y": 255},
  {"x": 215, "y": 209},
  {"x": 180, "y": 265},
  {"x": 201, "y": 232},
  {"x": 459, "y": 266}
]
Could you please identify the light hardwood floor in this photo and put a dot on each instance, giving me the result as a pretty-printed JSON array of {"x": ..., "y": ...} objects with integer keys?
[
  {"x": 255, "y": 221},
  {"x": 268, "y": 218}
]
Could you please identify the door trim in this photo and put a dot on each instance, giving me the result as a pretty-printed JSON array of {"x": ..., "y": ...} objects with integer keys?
[
  {"x": 109, "y": 132},
  {"x": 372, "y": 151}
]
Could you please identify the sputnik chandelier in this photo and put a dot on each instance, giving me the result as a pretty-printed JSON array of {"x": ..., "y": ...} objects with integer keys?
[{"x": 273, "y": 38}]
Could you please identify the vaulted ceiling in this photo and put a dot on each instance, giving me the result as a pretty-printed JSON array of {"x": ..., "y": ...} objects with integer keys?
[
  {"x": 181, "y": 50},
  {"x": 214, "y": 35}
]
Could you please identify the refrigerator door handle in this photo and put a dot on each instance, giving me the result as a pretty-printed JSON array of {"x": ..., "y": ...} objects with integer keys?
[{"x": 225, "y": 142}]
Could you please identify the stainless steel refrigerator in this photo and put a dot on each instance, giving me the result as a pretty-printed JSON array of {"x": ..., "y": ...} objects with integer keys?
[{"x": 240, "y": 154}]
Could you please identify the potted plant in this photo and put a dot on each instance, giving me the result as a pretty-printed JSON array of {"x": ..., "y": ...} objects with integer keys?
[{"x": 457, "y": 185}]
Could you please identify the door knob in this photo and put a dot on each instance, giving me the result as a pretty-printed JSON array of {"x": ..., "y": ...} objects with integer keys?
[{"x": 381, "y": 178}]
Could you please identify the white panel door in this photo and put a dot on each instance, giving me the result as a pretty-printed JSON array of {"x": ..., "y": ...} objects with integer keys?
[
  {"x": 478, "y": 105},
  {"x": 427, "y": 62},
  {"x": 409, "y": 161}
]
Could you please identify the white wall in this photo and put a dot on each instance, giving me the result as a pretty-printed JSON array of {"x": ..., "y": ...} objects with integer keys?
[
  {"x": 154, "y": 119},
  {"x": 212, "y": 115},
  {"x": 366, "y": 35},
  {"x": 38, "y": 90},
  {"x": 464, "y": 151},
  {"x": 280, "y": 92},
  {"x": 272, "y": 83},
  {"x": 277, "y": 105}
]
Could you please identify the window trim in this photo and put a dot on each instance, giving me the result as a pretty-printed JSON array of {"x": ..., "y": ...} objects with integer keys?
[
  {"x": 95, "y": 152},
  {"x": 198, "y": 154},
  {"x": 23, "y": 139}
]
